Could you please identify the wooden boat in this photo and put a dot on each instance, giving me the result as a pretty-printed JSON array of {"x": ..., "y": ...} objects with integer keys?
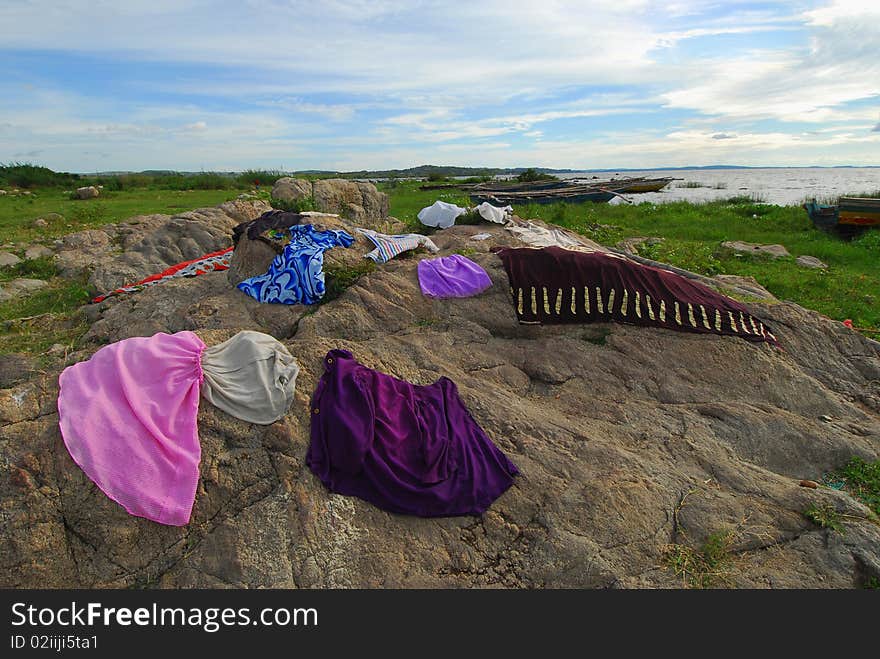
[
  {"x": 568, "y": 196},
  {"x": 633, "y": 185},
  {"x": 636, "y": 186},
  {"x": 849, "y": 216}
]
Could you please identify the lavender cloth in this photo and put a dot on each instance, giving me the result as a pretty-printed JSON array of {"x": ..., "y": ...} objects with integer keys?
[
  {"x": 411, "y": 449},
  {"x": 452, "y": 276}
]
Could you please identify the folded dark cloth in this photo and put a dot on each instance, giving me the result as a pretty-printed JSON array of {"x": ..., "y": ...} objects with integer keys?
[
  {"x": 273, "y": 219},
  {"x": 557, "y": 285}
]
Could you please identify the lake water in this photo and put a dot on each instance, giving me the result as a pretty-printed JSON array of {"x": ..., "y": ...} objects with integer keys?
[{"x": 789, "y": 186}]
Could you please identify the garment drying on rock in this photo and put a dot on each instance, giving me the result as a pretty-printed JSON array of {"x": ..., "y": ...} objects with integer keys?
[
  {"x": 128, "y": 414},
  {"x": 274, "y": 219},
  {"x": 538, "y": 236},
  {"x": 387, "y": 247},
  {"x": 440, "y": 214},
  {"x": 208, "y": 263},
  {"x": 411, "y": 449},
  {"x": 296, "y": 276},
  {"x": 498, "y": 215},
  {"x": 452, "y": 276},
  {"x": 557, "y": 285}
]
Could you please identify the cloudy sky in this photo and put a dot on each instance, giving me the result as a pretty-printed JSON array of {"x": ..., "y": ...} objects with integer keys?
[{"x": 369, "y": 84}]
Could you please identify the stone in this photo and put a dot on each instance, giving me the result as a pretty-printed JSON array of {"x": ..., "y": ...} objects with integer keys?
[
  {"x": 37, "y": 252},
  {"x": 810, "y": 262},
  {"x": 774, "y": 251},
  {"x": 358, "y": 200},
  {"x": 20, "y": 287},
  {"x": 8, "y": 259},
  {"x": 87, "y": 192},
  {"x": 39, "y": 223},
  {"x": 292, "y": 189},
  {"x": 631, "y": 245},
  {"x": 629, "y": 439},
  {"x": 57, "y": 349}
]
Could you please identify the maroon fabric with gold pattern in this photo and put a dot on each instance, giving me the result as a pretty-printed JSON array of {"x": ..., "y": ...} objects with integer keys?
[{"x": 556, "y": 285}]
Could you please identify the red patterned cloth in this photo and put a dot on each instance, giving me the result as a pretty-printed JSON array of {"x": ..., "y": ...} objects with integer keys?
[{"x": 208, "y": 263}]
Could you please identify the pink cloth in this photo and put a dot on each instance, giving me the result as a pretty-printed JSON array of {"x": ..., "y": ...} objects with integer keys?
[{"x": 128, "y": 418}]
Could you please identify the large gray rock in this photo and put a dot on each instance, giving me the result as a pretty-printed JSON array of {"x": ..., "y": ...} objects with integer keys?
[
  {"x": 626, "y": 445},
  {"x": 87, "y": 192},
  {"x": 292, "y": 189},
  {"x": 356, "y": 200}
]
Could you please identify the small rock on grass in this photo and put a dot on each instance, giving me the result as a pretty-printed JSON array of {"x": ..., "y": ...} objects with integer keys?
[
  {"x": 20, "y": 288},
  {"x": 37, "y": 252},
  {"x": 811, "y": 262},
  {"x": 775, "y": 251},
  {"x": 7, "y": 259}
]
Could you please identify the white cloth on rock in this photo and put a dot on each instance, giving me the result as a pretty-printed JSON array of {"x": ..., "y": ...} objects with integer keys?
[
  {"x": 493, "y": 213},
  {"x": 440, "y": 214}
]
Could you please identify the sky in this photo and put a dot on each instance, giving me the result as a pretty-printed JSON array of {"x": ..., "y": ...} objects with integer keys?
[{"x": 347, "y": 85}]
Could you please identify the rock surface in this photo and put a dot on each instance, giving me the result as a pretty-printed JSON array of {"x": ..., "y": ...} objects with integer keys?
[
  {"x": 774, "y": 251},
  {"x": 629, "y": 440},
  {"x": 87, "y": 192},
  {"x": 15, "y": 368},
  {"x": 116, "y": 255},
  {"x": 356, "y": 200},
  {"x": 811, "y": 262}
]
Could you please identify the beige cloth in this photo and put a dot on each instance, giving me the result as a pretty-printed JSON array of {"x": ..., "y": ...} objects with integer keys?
[{"x": 251, "y": 376}]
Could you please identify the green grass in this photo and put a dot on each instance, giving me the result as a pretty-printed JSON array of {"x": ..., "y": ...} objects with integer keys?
[
  {"x": 17, "y": 213},
  {"x": 825, "y": 516},
  {"x": 862, "y": 480},
  {"x": 339, "y": 277},
  {"x": 58, "y": 319},
  {"x": 706, "y": 566}
]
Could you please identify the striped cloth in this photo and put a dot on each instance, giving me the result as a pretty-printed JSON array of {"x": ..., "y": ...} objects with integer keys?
[
  {"x": 208, "y": 263},
  {"x": 387, "y": 247}
]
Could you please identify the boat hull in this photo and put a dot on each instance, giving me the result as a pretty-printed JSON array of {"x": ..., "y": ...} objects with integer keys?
[{"x": 850, "y": 217}]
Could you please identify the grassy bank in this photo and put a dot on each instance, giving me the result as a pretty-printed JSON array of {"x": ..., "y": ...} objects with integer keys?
[
  {"x": 65, "y": 215},
  {"x": 692, "y": 235}
]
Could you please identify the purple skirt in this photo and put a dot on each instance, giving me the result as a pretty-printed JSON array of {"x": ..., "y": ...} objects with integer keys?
[
  {"x": 411, "y": 449},
  {"x": 452, "y": 276}
]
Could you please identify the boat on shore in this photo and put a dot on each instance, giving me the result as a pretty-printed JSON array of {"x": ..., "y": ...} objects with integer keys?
[
  {"x": 850, "y": 216},
  {"x": 632, "y": 185},
  {"x": 552, "y": 196}
]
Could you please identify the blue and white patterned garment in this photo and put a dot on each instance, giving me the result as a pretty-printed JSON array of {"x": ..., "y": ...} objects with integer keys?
[{"x": 296, "y": 276}]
